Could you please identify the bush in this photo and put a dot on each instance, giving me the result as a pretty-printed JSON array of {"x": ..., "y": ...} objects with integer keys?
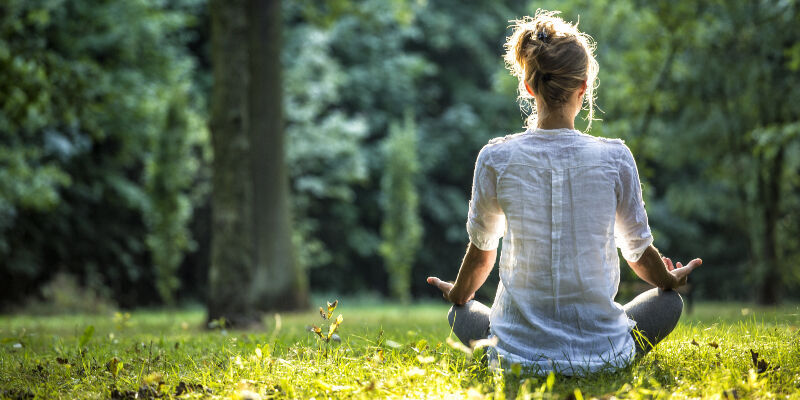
[
  {"x": 90, "y": 182},
  {"x": 63, "y": 294},
  {"x": 401, "y": 229}
]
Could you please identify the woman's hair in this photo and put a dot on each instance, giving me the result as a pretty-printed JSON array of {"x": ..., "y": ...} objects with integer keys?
[{"x": 554, "y": 58}]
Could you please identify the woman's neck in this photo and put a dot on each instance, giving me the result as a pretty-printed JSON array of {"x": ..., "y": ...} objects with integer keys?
[
  {"x": 560, "y": 118},
  {"x": 555, "y": 121}
]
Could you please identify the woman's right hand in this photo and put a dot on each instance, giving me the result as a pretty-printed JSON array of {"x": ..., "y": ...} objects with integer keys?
[
  {"x": 447, "y": 290},
  {"x": 679, "y": 271}
]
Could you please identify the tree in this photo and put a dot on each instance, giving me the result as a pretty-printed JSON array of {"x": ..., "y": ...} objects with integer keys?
[
  {"x": 98, "y": 147},
  {"x": 253, "y": 266},
  {"x": 401, "y": 228},
  {"x": 736, "y": 122}
]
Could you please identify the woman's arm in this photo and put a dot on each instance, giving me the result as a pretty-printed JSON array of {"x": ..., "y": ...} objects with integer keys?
[
  {"x": 660, "y": 272},
  {"x": 474, "y": 270}
]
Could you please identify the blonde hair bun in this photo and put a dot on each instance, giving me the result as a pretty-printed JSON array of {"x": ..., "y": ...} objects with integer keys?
[{"x": 554, "y": 58}]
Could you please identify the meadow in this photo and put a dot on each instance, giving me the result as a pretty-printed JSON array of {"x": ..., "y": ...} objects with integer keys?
[{"x": 379, "y": 350}]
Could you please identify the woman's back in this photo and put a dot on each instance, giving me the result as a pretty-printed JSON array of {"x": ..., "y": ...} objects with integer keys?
[{"x": 559, "y": 191}]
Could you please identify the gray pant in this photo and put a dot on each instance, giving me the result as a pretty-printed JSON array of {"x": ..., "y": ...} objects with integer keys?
[{"x": 655, "y": 311}]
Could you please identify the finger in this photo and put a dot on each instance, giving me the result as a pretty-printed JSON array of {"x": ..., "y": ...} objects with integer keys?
[
  {"x": 685, "y": 271},
  {"x": 681, "y": 273},
  {"x": 679, "y": 265},
  {"x": 445, "y": 286},
  {"x": 440, "y": 284},
  {"x": 694, "y": 264},
  {"x": 432, "y": 280}
]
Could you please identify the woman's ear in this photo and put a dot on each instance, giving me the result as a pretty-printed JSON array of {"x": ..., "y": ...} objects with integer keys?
[
  {"x": 530, "y": 91},
  {"x": 583, "y": 89}
]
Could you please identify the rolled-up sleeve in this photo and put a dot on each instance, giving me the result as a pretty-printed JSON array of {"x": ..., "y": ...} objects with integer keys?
[
  {"x": 631, "y": 229},
  {"x": 486, "y": 221}
]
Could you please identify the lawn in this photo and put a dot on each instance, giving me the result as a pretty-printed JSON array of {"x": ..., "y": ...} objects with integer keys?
[{"x": 383, "y": 351}]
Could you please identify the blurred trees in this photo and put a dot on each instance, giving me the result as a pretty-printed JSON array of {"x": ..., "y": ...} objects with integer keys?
[
  {"x": 253, "y": 266},
  {"x": 440, "y": 62},
  {"x": 401, "y": 228},
  {"x": 743, "y": 125},
  {"x": 92, "y": 183},
  {"x": 101, "y": 141}
]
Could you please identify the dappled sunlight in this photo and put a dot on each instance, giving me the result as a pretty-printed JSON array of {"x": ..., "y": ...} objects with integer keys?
[{"x": 158, "y": 353}]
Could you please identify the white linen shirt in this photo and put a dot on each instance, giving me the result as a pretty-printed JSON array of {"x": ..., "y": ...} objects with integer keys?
[{"x": 564, "y": 201}]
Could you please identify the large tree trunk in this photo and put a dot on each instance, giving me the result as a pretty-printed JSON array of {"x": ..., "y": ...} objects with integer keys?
[
  {"x": 231, "y": 198},
  {"x": 252, "y": 263},
  {"x": 278, "y": 283}
]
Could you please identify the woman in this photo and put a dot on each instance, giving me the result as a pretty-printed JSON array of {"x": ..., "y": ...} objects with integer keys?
[{"x": 564, "y": 201}]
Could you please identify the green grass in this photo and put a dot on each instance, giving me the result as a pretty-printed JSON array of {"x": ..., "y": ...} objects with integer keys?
[{"x": 386, "y": 351}]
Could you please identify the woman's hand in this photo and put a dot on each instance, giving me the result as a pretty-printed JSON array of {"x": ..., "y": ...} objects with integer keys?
[
  {"x": 446, "y": 288},
  {"x": 660, "y": 272},
  {"x": 679, "y": 271},
  {"x": 473, "y": 272}
]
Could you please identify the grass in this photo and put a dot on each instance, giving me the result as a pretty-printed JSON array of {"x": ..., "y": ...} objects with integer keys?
[{"x": 386, "y": 351}]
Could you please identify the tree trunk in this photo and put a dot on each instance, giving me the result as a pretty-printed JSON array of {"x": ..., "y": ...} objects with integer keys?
[
  {"x": 252, "y": 262},
  {"x": 231, "y": 253},
  {"x": 769, "y": 290},
  {"x": 278, "y": 283}
]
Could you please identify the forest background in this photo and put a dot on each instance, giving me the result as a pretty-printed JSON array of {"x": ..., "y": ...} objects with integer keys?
[{"x": 106, "y": 154}]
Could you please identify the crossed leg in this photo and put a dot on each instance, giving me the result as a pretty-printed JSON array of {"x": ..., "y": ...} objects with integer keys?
[
  {"x": 470, "y": 321},
  {"x": 655, "y": 311}
]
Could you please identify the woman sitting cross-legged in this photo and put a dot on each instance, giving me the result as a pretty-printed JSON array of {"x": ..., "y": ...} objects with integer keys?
[{"x": 564, "y": 201}]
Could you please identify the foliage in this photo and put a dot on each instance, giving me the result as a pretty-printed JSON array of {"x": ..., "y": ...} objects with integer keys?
[
  {"x": 62, "y": 295},
  {"x": 170, "y": 176},
  {"x": 94, "y": 182},
  {"x": 96, "y": 157},
  {"x": 401, "y": 228},
  {"x": 721, "y": 81},
  {"x": 398, "y": 57},
  {"x": 323, "y": 141},
  {"x": 382, "y": 354}
]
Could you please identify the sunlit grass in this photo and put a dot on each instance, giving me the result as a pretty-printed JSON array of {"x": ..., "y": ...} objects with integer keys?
[{"x": 386, "y": 351}]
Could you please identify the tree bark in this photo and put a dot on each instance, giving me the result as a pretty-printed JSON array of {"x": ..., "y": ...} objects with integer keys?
[
  {"x": 278, "y": 283},
  {"x": 231, "y": 253},
  {"x": 252, "y": 261},
  {"x": 770, "y": 288}
]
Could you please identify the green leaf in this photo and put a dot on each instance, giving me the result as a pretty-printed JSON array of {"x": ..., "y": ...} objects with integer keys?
[
  {"x": 87, "y": 334},
  {"x": 114, "y": 366}
]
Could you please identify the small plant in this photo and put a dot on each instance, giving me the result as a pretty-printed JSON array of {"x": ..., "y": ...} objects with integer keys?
[
  {"x": 333, "y": 326},
  {"x": 86, "y": 336}
]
